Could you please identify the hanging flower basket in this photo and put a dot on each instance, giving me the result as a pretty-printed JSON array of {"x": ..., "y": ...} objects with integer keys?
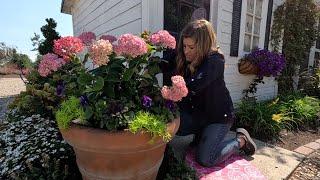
[{"x": 247, "y": 67}]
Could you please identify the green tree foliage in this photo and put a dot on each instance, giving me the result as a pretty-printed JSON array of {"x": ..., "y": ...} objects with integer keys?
[
  {"x": 294, "y": 24},
  {"x": 21, "y": 60},
  {"x": 50, "y": 34},
  {"x": 6, "y": 53}
]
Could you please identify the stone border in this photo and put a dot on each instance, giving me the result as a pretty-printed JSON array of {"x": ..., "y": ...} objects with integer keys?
[{"x": 308, "y": 148}]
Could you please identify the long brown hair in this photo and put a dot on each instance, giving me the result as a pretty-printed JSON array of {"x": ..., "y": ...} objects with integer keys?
[{"x": 201, "y": 31}]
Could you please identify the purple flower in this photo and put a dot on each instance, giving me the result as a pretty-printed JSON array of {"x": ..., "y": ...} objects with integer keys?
[
  {"x": 170, "y": 105},
  {"x": 60, "y": 88},
  {"x": 269, "y": 63},
  {"x": 84, "y": 100},
  {"x": 146, "y": 101}
]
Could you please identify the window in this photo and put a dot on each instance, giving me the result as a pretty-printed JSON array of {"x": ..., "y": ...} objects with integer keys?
[
  {"x": 177, "y": 13},
  {"x": 252, "y": 24}
]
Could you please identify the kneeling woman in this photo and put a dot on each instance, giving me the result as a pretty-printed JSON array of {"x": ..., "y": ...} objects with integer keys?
[{"x": 208, "y": 110}]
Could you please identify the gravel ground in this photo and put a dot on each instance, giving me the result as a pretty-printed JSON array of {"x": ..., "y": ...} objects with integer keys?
[
  {"x": 10, "y": 85},
  {"x": 309, "y": 169}
]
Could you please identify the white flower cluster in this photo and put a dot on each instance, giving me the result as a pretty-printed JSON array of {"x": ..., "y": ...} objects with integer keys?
[{"x": 29, "y": 141}]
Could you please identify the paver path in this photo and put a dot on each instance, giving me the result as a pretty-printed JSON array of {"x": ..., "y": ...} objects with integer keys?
[{"x": 10, "y": 85}]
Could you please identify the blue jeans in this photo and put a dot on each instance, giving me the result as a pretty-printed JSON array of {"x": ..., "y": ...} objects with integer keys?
[{"x": 211, "y": 149}]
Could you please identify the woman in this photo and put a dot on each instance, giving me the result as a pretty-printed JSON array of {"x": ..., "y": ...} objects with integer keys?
[{"x": 207, "y": 111}]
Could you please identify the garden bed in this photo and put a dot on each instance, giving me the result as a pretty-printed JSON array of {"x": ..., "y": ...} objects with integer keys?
[
  {"x": 309, "y": 169},
  {"x": 293, "y": 139}
]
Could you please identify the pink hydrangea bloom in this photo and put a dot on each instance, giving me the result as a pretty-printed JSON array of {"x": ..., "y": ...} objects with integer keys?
[
  {"x": 177, "y": 91},
  {"x": 67, "y": 46},
  {"x": 110, "y": 38},
  {"x": 87, "y": 37},
  {"x": 99, "y": 52},
  {"x": 163, "y": 38},
  {"x": 50, "y": 63},
  {"x": 130, "y": 45}
]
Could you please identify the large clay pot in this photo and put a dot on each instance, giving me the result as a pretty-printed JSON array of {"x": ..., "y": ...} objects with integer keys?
[
  {"x": 117, "y": 155},
  {"x": 247, "y": 67}
]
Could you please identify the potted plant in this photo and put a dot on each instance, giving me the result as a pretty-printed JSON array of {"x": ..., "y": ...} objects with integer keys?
[
  {"x": 115, "y": 115},
  {"x": 262, "y": 63}
]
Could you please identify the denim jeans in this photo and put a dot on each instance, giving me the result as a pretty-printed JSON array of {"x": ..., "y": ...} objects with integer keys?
[{"x": 211, "y": 149}]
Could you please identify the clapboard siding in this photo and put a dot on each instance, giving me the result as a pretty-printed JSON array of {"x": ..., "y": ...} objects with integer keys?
[{"x": 106, "y": 16}]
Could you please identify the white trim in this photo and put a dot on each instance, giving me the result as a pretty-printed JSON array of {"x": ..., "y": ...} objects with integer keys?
[
  {"x": 145, "y": 25},
  {"x": 156, "y": 14},
  {"x": 263, "y": 25},
  {"x": 214, "y": 14},
  {"x": 313, "y": 50},
  {"x": 219, "y": 21}
]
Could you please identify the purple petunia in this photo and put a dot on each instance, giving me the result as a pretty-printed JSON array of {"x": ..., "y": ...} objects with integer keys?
[
  {"x": 146, "y": 101},
  {"x": 60, "y": 88},
  {"x": 170, "y": 105},
  {"x": 269, "y": 63},
  {"x": 84, "y": 100}
]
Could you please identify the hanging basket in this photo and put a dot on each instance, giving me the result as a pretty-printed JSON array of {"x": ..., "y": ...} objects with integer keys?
[{"x": 247, "y": 67}]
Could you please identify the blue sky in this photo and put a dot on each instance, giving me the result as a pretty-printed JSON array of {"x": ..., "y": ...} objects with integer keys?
[{"x": 21, "y": 18}]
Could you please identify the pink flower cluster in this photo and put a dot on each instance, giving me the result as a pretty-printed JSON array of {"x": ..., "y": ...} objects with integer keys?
[
  {"x": 177, "y": 91},
  {"x": 49, "y": 63},
  {"x": 67, "y": 46},
  {"x": 99, "y": 52},
  {"x": 163, "y": 38},
  {"x": 130, "y": 45},
  {"x": 110, "y": 38},
  {"x": 87, "y": 37}
]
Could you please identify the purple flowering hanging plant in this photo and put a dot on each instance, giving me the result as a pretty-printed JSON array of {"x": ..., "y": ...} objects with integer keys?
[{"x": 269, "y": 63}]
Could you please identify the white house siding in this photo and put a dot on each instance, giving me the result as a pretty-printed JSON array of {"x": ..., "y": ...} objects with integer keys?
[
  {"x": 235, "y": 81},
  {"x": 107, "y": 16}
]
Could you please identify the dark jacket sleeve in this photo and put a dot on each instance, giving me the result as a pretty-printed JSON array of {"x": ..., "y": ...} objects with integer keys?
[{"x": 210, "y": 71}]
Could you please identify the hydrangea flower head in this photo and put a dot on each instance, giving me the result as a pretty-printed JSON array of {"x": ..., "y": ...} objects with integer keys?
[
  {"x": 99, "y": 52},
  {"x": 68, "y": 46},
  {"x": 163, "y": 38},
  {"x": 130, "y": 45}
]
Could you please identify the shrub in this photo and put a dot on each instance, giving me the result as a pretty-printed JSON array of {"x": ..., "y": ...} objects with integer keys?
[
  {"x": 256, "y": 117},
  {"x": 309, "y": 82},
  {"x": 266, "y": 119},
  {"x": 37, "y": 99},
  {"x": 32, "y": 148},
  {"x": 303, "y": 110}
]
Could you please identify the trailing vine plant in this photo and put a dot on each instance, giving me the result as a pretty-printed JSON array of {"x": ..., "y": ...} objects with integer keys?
[
  {"x": 294, "y": 26},
  {"x": 252, "y": 89}
]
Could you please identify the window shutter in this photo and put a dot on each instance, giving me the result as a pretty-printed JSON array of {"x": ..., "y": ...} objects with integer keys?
[
  {"x": 236, "y": 21},
  {"x": 268, "y": 26}
]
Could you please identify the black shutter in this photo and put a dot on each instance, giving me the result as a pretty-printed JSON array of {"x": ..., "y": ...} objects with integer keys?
[
  {"x": 267, "y": 35},
  {"x": 236, "y": 21}
]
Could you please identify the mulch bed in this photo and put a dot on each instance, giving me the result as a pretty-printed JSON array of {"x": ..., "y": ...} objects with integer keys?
[
  {"x": 292, "y": 140},
  {"x": 309, "y": 169}
]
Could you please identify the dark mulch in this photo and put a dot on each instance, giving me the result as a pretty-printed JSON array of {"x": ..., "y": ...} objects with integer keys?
[
  {"x": 292, "y": 140},
  {"x": 309, "y": 169}
]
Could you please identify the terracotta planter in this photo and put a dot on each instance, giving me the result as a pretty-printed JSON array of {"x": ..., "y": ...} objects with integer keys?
[
  {"x": 116, "y": 155},
  {"x": 247, "y": 67}
]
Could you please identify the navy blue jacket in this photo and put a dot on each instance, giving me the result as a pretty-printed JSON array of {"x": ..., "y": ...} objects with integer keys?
[{"x": 208, "y": 100}]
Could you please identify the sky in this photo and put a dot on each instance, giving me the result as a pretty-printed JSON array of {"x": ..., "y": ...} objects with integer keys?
[{"x": 20, "y": 19}]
